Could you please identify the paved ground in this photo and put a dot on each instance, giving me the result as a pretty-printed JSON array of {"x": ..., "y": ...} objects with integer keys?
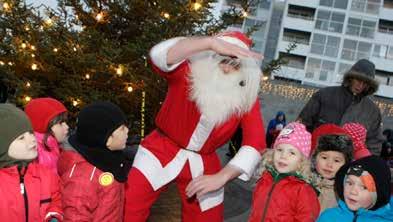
[{"x": 236, "y": 204}]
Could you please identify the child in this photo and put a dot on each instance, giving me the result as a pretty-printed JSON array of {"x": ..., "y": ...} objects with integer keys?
[
  {"x": 333, "y": 148},
  {"x": 363, "y": 187},
  {"x": 283, "y": 193},
  {"x": 48, "y": 117},
  {"x": 94, "y": 174},
  {"x": 28, "y": 191}
]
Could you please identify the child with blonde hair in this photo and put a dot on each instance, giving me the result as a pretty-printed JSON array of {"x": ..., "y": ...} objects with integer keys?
[{"x": 283, "y": 192}]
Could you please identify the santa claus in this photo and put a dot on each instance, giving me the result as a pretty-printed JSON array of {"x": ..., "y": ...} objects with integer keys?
[{"x": 213, "y": 85}]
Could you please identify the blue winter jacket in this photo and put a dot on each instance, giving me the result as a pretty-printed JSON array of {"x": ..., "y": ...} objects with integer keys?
[{"x": 343, "y": 213}]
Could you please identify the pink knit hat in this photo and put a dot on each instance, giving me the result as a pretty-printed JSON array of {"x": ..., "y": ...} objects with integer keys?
[
  {"x": 296, "y": 135},
  {"x": 358, "y": 134}
]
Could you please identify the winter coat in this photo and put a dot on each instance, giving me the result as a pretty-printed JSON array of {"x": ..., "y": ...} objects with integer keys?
[
  {"x": 47, "y": 157},
  {"x": 40, "y": 198},
  {"x": 88, "y": 193},
  {"x": 283, "y": 198},
  {"x": 272, "y": 132},
  {"x": 343, "y": 213},
  {"x": 327, "y": 197},
  {"x": 338, "y": 105}
]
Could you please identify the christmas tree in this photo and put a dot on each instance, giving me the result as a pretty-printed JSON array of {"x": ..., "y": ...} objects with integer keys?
[{"x": 91, "y": 50}]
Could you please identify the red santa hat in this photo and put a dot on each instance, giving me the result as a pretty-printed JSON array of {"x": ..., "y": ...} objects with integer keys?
[{"x": 236, "y": 38}]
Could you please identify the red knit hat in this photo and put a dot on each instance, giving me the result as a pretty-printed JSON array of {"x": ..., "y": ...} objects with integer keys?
[
  {"x": 358, "y": 134},
  {"x": 237, "y": 38},
  {"x": 41, "y": 111}
]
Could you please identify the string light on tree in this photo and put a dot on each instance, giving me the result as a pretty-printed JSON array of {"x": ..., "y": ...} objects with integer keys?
[
  {"x": 49, "y": 22},
  {"x": 130, "y": 89},
  {"x": 100, "y": 17},
  {"x": 74, "y": 49},
  {"x": 32, "y": 47},
  {"x": 28, "y": 84},
  {"x": 10, "y": 63},
  {"x": 197, "y": 6},
  {"x": 2, "y": 63},
  {"x": 27, "y": 98},
  {"x": 120, "y": 70},
  {"x": 245, "y": 14},
  {"x": 34, "y": 66},
  {"x": 87, "y": 76},
  {"x": 75, "y": 102},
  {"x": 27, "y": 28},
  {"x": 143, "y": 114},
  {"x": 55, "y": 50},
  {"x": 32, "y": 55},
  {"x": 23, "y": 45},
  {"x": 166, "y": 15},
  {"x": 6, "y": 6}
]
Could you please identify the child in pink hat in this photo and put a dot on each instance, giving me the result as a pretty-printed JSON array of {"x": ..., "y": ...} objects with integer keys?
[{"x": 283, "y": 192}]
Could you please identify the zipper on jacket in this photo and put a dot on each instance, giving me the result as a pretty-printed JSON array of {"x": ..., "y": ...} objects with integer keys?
[
  {"x": 269, "y": 196},
  {"x": 355, "y": 218},
  {"x": 23, "y": 191}
]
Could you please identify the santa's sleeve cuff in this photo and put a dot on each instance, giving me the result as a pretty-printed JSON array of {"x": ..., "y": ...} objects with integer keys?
[
  {"x": 246, "y": 160},
  {"x": 159, "y": 52}
]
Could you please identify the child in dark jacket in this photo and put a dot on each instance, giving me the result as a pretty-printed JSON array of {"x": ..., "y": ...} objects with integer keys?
[
  {"x": 363, "y": 187},
  {"x": 28, "y": 191},
  {"x": 94, "y": 169},
  {"x": 283, "y": 193}
]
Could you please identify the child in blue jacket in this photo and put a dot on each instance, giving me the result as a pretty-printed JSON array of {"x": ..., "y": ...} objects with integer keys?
[{"x": 363, "y": 187}]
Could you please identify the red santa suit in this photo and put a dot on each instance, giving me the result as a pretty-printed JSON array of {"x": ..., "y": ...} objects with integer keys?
[{"x": 184, "y": 147}]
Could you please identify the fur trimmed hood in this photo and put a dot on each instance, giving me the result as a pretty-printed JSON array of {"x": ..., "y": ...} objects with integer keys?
[{"x": 363, "y": 70}]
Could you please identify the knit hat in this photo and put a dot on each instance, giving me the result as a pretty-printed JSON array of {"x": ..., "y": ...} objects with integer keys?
[
  {"x": 358, "y": 134},
  {"x": 296, "y": 135},
  {"x": 95, "y": 124},
  {"x": 236, "y": 38},
  {"x": 41, "y": 111},
  {"x": 363, "y": 70},
  {"x": 325, "y": 138},
  {"x": 379, "y": 171},
  {"x": 14, "y": 123}
]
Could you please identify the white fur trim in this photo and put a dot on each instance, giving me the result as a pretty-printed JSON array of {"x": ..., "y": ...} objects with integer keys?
[
  {"x": 246, "y": 160},
  {"x": 159, "y": 52},
  {"x": 200, "y": 134},
  {"x": 53, "y": 214},
  {"x": 158, "y": 176},
  {"x": 234, "y": 41}
]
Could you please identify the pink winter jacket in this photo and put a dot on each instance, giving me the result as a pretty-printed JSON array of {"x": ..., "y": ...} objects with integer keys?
[{"x": 48, "y": 158}]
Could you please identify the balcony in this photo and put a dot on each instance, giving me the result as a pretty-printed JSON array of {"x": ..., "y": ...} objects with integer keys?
[
  {"x": 306, "y": 3},
  {"x": 385, "y": 91},
  {"x": 299, "y": 18},
  {"x": 290, "y": 73},
  {"x": 383, "y": 63}
]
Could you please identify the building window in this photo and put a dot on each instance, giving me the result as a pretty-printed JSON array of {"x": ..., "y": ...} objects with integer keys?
[
  {"x": 330, "y": 21},
  {"x": 383, "y": 51},
  {"x": 367, "y": 6},
  {"x": 355, "y": 50},
  {"x": 319, "y": 68},
  {"x": 359, "y": 27},
  {"x": 325, "y": 45},
  {"x": 341, "y": 4}
]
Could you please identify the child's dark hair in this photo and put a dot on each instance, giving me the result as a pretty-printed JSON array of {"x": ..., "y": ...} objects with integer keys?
[
  {"x": 62, "y": 117},
  {"x": 339, "y": 143}
]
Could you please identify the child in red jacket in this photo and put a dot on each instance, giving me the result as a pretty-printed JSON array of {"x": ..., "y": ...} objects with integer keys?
[
  {"x": 283, "y": 192},
  {"x": 94, "y": 170},
  {"x": 28, "y": 191},
  {"x": 48, "y": 118}
]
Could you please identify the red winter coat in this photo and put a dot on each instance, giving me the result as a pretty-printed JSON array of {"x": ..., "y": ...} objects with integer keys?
[
  {"x": 288, "y": 199},
  {"x": 85, "y": 196},
  {"x": 42, "y": 190}
]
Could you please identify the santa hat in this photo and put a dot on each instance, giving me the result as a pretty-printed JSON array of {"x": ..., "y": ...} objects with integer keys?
[
  {"x": 41, "y": 111},
  {"x": 236, "y": 38},
  {"x": 358, "y": 134},
  {"x": 322, "y": 141},
  {"x": 296, "y": 135}
]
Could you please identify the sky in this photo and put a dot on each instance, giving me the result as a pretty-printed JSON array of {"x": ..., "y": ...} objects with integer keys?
[{"x": 51, "y": 3}]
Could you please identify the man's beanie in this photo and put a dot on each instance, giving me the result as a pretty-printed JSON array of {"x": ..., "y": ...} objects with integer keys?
[
  {"x": 95, "y": 123},
  {"x": 41, "y": 111},
  {"x": 14, "y": 123}
]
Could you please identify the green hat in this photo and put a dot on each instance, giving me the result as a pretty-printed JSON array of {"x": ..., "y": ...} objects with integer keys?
[{"x": 14, "y": 123}]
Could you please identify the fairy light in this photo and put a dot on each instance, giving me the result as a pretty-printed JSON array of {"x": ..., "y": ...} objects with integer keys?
[
  {"x": 10, "y": 63},
  {"x": 32, "y": 55},
  {"x": 120, "y": 70},
  {"x": 2, "y": 63},
  {"x": 143, "y": 114},
  {"x": 49, "y": 22},
  {"x": 166, "y": 15},
  {"x": 6, "y": 6},
  {"x": 265, "y": 78},
  {"x": 27, "y": 28},
  {"x": 87, "y": 76},
  {"x": 34, "y": 66},
  {"x": 74, "y": 49},
  {"x": 100, "y": 17},
  {"x": 27, "y": 98},
  {"x": 197, "y": 6},
  {"x": 32, "y": 47},
  {"x": 130, "y": 89},
  {"x": 28, "y": 84},
  {"x": 245, "y": 14},
  {"x": 23, "y": 45},
  {"x": 75, "y": 102},
  {"x": 55, "y": 49}
]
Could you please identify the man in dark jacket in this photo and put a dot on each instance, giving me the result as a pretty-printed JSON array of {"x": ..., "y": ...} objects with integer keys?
[{"x": 349, "y": 102}]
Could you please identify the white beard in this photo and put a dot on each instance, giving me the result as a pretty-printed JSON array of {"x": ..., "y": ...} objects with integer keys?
[{"x": 219, "y": 96}]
